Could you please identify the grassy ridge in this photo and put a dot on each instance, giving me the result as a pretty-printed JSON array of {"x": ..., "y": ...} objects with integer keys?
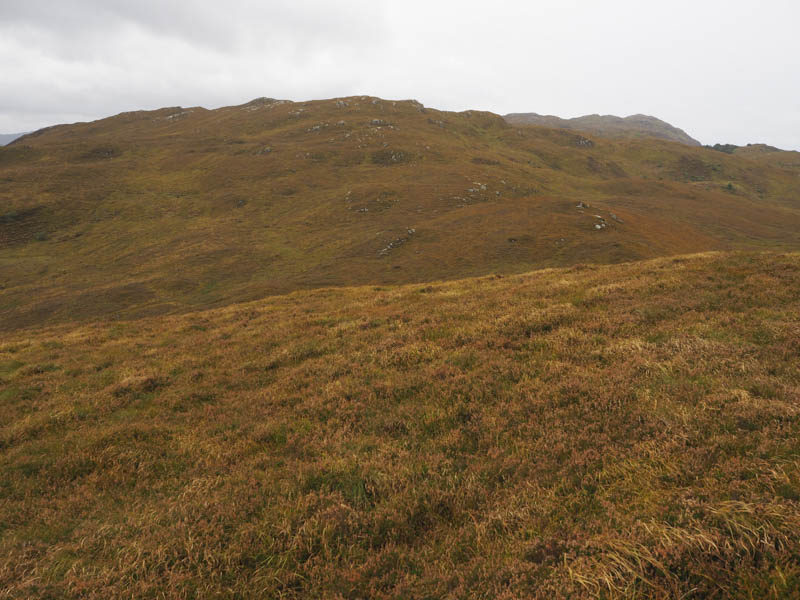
[
  {"x": 594, "y": 431},
  {"x": 178, "y": 209}
]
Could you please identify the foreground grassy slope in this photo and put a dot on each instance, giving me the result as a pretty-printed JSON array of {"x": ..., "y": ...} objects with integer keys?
[
  {"x": 595, "y": 431},
  {"x": 172, "y": 210}
]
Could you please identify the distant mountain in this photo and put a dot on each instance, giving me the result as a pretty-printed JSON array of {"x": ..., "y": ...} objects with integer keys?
[
  {"x": 7, "y": 138},
  {"x": 635, "y": 126}
]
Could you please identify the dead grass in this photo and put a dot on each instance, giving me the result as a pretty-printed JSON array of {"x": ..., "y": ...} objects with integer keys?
[{"x": 619, "y": 431}]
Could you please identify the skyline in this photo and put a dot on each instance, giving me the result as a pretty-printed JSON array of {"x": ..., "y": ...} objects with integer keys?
[{"x": 724, "y": 72}]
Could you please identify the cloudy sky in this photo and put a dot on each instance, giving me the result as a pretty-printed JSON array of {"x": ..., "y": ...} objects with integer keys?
[{"x": 723, "y": 70}]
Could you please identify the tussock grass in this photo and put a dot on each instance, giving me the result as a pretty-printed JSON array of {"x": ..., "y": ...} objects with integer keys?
[{"x": 597, "y": 432}]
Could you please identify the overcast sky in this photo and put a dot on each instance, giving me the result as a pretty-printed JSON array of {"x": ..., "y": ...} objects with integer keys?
[{"x": 723, "y": 70}]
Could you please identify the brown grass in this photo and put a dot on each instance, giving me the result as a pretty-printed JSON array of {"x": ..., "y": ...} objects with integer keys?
[
  {"x": 618, "y": 431},
  {"x": 169, "y": 211}
]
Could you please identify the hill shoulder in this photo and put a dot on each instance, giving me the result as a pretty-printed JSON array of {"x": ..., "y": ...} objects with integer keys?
[{"x": 633, "y": 126}]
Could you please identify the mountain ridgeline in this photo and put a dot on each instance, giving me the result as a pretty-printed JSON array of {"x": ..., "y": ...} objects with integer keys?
[
  {"x": 634, "y": 126},
  {"x": 180, "y": 209}
]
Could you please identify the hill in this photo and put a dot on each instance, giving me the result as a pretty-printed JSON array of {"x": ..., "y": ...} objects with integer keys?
[
  {"x": 7, "y": 138},
  {"x": 596, "y": 431},
  {"x": 175, "y": 210},
  {"x": 634, "y": 126}
]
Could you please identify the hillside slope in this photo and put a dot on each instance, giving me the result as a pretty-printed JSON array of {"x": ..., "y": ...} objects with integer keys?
[
  {"x": 763, "y": 153},
  {"x": 616, "y": 431},
  {"x": 634, "y": 126},
  {"x": 177, "y": 209},
  {"x": 775, "y": 157}
]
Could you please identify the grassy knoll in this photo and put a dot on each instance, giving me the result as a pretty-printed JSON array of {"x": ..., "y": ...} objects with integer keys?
[{"x": 595, "y": 431}]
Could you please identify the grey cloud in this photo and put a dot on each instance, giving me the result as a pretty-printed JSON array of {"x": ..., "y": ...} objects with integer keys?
[
  {"x": 220, "y": 25},
  {"x": 726, "y": 71}
]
